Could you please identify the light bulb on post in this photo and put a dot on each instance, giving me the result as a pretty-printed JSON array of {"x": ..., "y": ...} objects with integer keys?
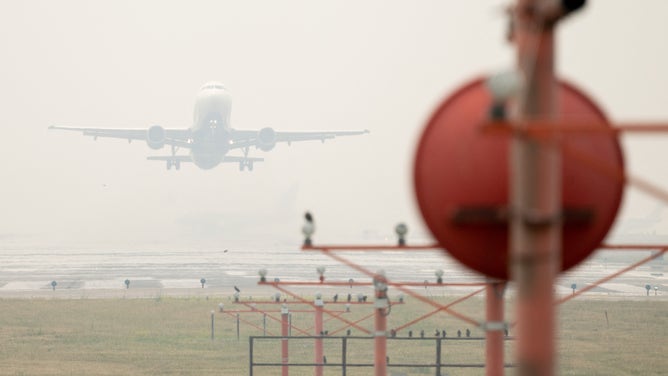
[
  {"x": 439, "y": 275},
  {"x": 321, "y": 273},
  {"x": 503, "y": 86},
  {"x": 308, "y": 229},
  {"x": 401, "y": 230},
  {"x": 263, "y": 275}
]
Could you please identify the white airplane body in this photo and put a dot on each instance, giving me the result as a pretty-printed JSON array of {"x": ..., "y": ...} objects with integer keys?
[{"x": 211, "y": 135}]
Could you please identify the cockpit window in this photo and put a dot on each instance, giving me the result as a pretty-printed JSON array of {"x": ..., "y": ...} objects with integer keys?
[{"x": 213, "y": 86}]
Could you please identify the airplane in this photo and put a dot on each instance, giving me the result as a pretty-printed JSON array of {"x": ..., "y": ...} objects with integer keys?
[{"x": 211, "y": 136}]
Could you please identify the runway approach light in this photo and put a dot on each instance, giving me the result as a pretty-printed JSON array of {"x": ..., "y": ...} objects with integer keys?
[
  {"x": 308, "y": 229},
  {"x": 648, "y": 287},
  {"x": 401, "y": 230},
  {"x": 503, "y": 86},
  {"x": 401, "y": 298},
  {"x": 439, "y": 275},
  {"x": 263, "y": 275},
  {"x": 321, "y": 273},
  {"x": 318, "y": 300},
  {"x": 379, "y": 281}
]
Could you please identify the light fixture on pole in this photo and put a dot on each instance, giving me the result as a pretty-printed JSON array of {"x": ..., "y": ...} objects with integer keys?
[
  {"x": 503, "y": 86},
  {"x": 401, "y": 230},
  {"x": 308, "y": 229},
  {"x": 263, "y": 275},
  {"x": 439, "y": 275},
  {"x": 321, "y": 273}
]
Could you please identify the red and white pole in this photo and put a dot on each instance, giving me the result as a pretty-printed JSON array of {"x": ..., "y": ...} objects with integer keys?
[
  {"x": 535, "y": 191},
  {"x": 284, "y": 341},
  {"x": 494, "y": 328},
  {"x": 319, "y": 306},
  {"x": 381, "y": 305}
]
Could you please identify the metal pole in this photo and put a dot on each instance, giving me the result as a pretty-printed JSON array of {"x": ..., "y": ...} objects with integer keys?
[
  {"x": 439, "y": 345},
  {"x": 535, "y": 194},
  {"x": 212, "y": 325},
  {"x": 380, "y": 332},
  {"x": 237, "y": 326},
  {"x": 344, "y": 352},
  {"x": 319, "y": 304},
  {"x": 250, "y": 355},
  {"x": 284, "y": 340},
  {"x": 494, "y": 328},
  {"x": 264, "y": 324}
]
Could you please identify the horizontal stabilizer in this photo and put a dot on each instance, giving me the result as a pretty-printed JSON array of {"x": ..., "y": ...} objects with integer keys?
[
  {"x": 233, "y": 159},
  {"x": 179, "y": 158}
]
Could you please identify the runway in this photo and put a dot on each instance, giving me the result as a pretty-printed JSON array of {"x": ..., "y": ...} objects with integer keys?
[{"x": 89, "y": 273}]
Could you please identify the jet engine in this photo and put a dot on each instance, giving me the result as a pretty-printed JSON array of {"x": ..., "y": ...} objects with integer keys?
[
  {"x": 266, "y": 139},
  {"x": 155, "y": 137}
]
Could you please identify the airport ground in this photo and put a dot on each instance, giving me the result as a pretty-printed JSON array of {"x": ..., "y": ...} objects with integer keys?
[{"x": 171, "y": 335}]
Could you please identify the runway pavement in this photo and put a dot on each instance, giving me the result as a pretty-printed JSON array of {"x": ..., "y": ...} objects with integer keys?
[{"x": 89, "y": 273}]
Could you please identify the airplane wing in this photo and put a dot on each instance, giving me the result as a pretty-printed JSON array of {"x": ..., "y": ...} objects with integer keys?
[
  {"x": 174, "y": 137},
  {"x": 266, "y": 138}
]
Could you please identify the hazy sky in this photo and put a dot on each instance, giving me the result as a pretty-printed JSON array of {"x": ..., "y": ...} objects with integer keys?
[{"x": 292, "y": 65}]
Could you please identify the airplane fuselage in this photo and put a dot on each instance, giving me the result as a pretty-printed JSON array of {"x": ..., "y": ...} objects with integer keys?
[{"x": 211, "y": 126}]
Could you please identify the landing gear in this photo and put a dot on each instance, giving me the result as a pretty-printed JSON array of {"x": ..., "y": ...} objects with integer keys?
[
  {"x": 173, "y": 162},
  {"x": 246, "y": 164}
]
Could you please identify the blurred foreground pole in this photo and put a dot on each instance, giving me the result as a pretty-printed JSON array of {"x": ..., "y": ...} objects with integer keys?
[
  {"x": 494, "y": 328},
  {"x": 535, "y": 186}
]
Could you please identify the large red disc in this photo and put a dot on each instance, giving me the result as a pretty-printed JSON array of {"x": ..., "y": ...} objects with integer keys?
[{"x": 459, "y": 167}]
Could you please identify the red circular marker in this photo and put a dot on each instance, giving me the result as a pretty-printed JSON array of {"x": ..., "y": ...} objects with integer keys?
[{"x": 461, "y": 180}]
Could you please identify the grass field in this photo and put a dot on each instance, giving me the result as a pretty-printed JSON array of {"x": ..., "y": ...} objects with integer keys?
[{"x": 172, "y": 336}]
